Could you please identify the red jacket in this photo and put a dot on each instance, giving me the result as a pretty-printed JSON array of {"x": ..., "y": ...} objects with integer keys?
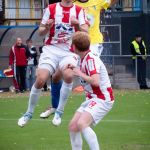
[{"x": 18, "y": 55}]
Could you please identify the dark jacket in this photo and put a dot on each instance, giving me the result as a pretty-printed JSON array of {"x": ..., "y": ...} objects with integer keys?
[{"x": 33, "y": 55}]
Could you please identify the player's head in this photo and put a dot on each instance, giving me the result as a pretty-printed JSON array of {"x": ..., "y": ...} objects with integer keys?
[{"x": 81, "y": 41}]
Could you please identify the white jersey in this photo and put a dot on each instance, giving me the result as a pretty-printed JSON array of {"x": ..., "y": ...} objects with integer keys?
[
  {"x": 91, "y": 64},
  {"x": 62, "y": 30}
]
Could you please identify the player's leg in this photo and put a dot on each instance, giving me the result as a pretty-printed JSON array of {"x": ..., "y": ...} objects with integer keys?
[
  {"x": 56, "y": 84},
  {"x": 75, "y": 134},
  {"x": 66, "y": 88},
  {"x": 88, "y": 133},
  {"x": 42, "y": 76},
  {"x": 45, "y": 69},
  {"x": 94, "y": 112},
  {"x": 64, "y": 94}
]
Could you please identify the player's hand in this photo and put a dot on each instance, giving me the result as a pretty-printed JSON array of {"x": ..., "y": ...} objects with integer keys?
[
  {"x": 74, "y": 22},
  {"x": 77, "y": 72},
  {"x": 70, "y": 66},
  {"x": 49, "y": 23}
]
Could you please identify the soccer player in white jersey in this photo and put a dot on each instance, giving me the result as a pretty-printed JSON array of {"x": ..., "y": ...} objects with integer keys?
[
  {"x": 59, "y": 22},
  {"x": 99, "y": 96},
  {"x": 93, "y": 9}
]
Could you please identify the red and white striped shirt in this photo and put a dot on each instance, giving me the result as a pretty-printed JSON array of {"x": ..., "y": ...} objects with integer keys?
[
  {"x": 90, "y": 65},
  {"x": 62, "y": 30}
]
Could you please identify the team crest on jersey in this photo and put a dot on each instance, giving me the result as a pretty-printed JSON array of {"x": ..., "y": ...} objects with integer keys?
[
  {"x": 63, "y": 28},
  {"x": 92, "y": 104}
]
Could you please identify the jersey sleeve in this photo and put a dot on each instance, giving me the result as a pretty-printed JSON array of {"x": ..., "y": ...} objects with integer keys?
[
  {"x": 92, "y": 66},
  {"x": 45, "y": 16},
  {"x": 82, "y": 17}
]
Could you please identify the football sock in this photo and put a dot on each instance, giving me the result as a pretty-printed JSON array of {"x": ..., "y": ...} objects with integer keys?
[
  {"x": 76, "y": 140},
  {"x": 90, "y": 138},
  {"x": 55, "y": 93},
  {"x": 33, "y": 98},
  {"x": 64, "y": 94}
]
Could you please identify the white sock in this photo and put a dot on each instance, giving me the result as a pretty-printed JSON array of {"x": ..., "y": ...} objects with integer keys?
[
  {"x": 33, "y": 99},
  {"x": 64, "y": 94},
  {"x": 91, "y": 138},
  {"x": 76, "y": 140}
]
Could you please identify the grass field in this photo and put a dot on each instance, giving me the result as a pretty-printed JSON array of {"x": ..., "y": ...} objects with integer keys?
[{"x": 126, "y": 127}]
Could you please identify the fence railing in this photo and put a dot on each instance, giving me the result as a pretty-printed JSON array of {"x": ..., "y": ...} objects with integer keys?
[{"x": 122, "y": 71}]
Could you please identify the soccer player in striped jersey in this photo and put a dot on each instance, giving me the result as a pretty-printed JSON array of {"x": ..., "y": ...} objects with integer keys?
[
  {"x": 59, "y": 22},
  {"x": 99, "y": 96},
  {"x": 93, "y": 9}
]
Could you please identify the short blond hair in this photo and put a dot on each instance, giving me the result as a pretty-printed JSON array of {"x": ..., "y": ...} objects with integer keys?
[{"x": 81, "y": 40}]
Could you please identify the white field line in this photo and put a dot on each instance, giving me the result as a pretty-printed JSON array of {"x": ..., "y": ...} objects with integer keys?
[{"x": 48, "y": 120}]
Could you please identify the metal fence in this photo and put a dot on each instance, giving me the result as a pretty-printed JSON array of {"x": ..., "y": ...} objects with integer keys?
[{"x": 121, "y": 69}]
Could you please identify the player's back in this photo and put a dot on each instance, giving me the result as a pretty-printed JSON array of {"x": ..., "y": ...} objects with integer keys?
[{"x": 92, "y": 64}]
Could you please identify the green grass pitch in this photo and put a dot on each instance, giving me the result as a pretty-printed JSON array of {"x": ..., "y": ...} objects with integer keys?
[{"x": 126, "y": 127}]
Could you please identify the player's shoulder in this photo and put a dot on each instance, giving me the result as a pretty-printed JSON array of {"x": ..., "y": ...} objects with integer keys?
[
  {"x": 91, "y": 55},
  {"x": 52, "y": 6},
  {"x": 78, "y": 7}
]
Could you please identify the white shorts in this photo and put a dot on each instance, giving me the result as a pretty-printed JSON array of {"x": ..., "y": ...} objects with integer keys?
[
  {"x": 96, "y": 49},
  {"x": 97, "y": 108},
  {"x": 54, "y": 57}
]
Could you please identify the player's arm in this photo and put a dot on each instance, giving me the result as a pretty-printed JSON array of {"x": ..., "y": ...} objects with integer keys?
[
  {"x": 46, "y": 23},
  {"x": 93, "y": 79},
  {"x": 44, "y": 28},
  {"x": 80, "y": 24},
  {"x": 76, "y": 24}
]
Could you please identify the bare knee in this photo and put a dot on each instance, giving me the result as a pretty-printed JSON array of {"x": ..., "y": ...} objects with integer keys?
[
  {"x": 81, "y": 124},
  {"x": 68, "y": 75},
  {"x": 42, "y": 76},
  {"x": 73, "y": 127}
]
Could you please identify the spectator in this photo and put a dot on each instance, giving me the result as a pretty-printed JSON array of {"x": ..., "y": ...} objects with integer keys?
[
  {"x": 18, "y": 62},
  {"x": 32, "y": 63},
  {"x": 139, "y": 52}
]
